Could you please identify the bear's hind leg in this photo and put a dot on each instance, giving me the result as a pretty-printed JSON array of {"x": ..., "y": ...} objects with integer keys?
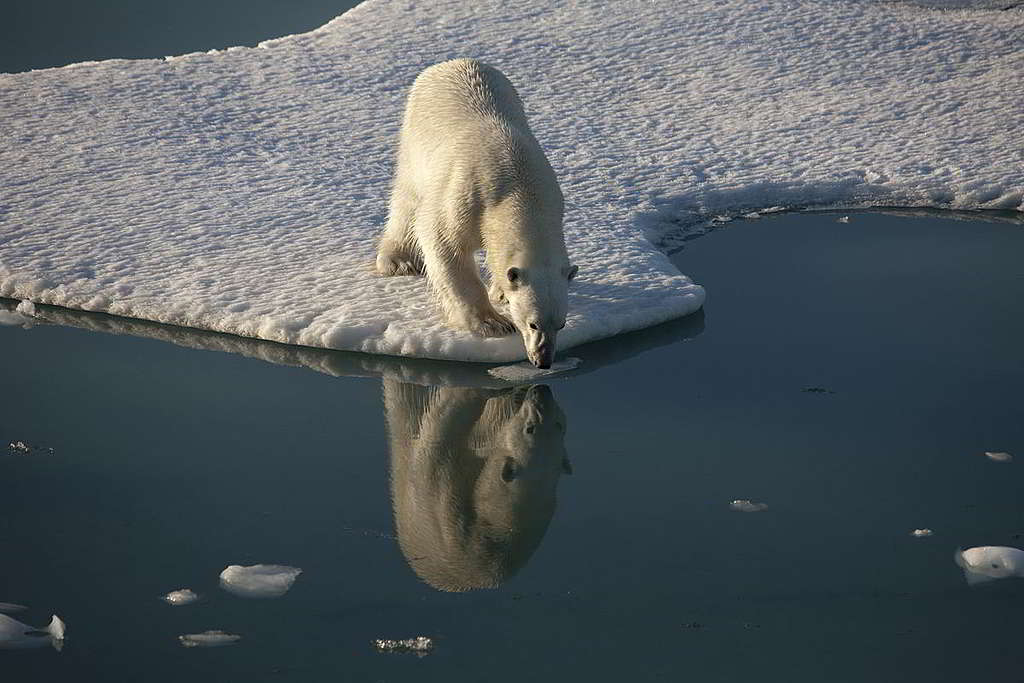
[{"x": 398, "y": 253}]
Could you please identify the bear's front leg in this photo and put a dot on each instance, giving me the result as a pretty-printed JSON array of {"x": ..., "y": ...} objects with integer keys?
[
  {"x": 496, "y": 294},
  {"x": 455, "y": 280}
]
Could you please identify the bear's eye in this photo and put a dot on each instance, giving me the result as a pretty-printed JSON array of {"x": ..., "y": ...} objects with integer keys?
[{"x": 533, "y": 326}]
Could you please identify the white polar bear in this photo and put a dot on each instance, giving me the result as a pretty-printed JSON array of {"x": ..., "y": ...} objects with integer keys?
[{"x": 470, "y": 176}]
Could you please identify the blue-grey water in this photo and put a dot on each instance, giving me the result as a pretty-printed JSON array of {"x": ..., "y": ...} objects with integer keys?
[{"x": 850, "y": 376}]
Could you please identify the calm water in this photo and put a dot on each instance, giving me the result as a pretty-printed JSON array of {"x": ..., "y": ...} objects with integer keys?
[{"x": 597, "y": 504}]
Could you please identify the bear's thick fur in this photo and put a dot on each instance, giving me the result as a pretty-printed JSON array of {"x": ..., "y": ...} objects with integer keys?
[{"x": 470, "y": 175}]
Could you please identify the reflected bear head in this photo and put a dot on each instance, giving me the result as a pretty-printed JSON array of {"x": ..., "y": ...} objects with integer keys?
[{"x": 473, "y": 478}]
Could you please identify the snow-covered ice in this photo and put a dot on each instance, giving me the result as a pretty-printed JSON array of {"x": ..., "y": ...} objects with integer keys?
[
  {"x": 259, "y": 580},
  {"x": 241, "y": 190}
]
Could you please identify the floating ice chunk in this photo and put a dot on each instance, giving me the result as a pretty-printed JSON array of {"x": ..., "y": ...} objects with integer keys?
[
  {"x": 16, "y": 635},
  {"x": 259, "y": 580},
  {"x": 747, "y": 506},
  {"x": 421, "y": 645},
  {"x": 208, "y": 639},
  {"x": 921, "y": 533},
  {"x": 183, "y": 596},
  {"x": 998, "y": 456},
  {"x": 990, "y": 562},
  {"x": 843, "y": 219},
  {"x": 22, "y": 448},
  {"x": 526, "y": 372},
  {"x": 26, "y": 308},
  {"x": 11, "y": 607}
]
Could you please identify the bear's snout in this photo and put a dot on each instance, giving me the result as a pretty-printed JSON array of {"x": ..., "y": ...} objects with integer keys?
[{"x": 543, "y": 354}]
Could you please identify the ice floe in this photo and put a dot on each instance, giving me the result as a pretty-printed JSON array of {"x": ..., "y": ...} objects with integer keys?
[
  {"x": 420, "y": 645},
  {"x": 747, "y": 506},
  {"x": 921, "y": 533},
  {"x": 183, "y": 596},
  {"x": 241, "y": 190},
  {"x": 259, "y": 580},
  {"x": 208, "y": 639},
  {"x": 998, "y": 456},
  {"x": 16, "y": 635},
  {"x": 990, "y": 562}
]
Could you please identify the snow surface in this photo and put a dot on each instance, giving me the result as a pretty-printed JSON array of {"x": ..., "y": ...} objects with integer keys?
[{"x": 241, "y": 190}]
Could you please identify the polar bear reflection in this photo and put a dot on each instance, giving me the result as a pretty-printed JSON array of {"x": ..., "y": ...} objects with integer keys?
[{"x": 473, "y": 478}]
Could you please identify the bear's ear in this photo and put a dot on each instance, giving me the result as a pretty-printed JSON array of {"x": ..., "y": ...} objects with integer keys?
[
  {"x": 513, "y": 275},
  {"x": 571, "y": 271}
]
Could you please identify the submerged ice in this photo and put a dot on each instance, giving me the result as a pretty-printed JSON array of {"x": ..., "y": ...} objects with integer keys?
[{"x": 241, "y": 191}]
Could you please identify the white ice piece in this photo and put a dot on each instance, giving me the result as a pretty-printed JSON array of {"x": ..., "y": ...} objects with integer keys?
[
  {"x": 921, "y": 533},
  {"x": 526, "y": 372},
  {"x": 242, "y": 190},
  {"x": 990, "y": 562},
  {"x": 747, "y": 506},
  {"x": 16, "y": 635},
  {"x": 183, "y": 596},
  {"x": 420, "y": 645},
  {"x": 259, "y": 580},
  {"x": 208, "y": 639},
  {"x": 998, "y": 456}
]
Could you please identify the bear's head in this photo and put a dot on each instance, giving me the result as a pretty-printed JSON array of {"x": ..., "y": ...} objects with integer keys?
[{"x": 538, "y": 300}]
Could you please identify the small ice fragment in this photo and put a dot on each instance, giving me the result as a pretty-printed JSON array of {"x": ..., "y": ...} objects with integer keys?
[
  {"x": 19, "y": 447},
  {"x": 921, "y": 533},
  {"x": 421, "y": 645},
  {"x": 843, "y": 219},
  {"x": 989, "y": 563},
  {"x": 11, "y": 607},
  {"x": 259, "y": 580},
  {"x": 184, "y": 596},
  {"x": 14, "y": 634},
  {"x": 751, "y": 215},
  {"x": 26, "y": 307},
  {"x": 747, "y": 506},
  {"x": 527, "y": 372},
  {"x": 998, "y": 456},
  {"x": 208, "y": 639}
]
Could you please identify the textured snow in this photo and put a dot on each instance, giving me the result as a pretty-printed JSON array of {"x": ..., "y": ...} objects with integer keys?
[{"x": 241, "y": 190}]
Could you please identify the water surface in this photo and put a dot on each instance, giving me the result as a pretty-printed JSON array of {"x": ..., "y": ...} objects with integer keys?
[{"x": 847, "y": 375}]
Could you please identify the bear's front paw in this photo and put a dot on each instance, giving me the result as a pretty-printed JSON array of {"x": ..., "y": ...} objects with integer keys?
[{"x": 491, "y": 324}]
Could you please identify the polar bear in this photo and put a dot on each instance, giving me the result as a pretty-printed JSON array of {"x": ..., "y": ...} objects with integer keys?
[
  {"x": 469, "y": 176},
  {"x": 474, "y": 474}
]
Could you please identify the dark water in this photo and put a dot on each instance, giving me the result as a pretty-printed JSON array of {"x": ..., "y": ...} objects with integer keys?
[
  {"x": 35, "y": 35},
  {"x": 849, "y": 376}
]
